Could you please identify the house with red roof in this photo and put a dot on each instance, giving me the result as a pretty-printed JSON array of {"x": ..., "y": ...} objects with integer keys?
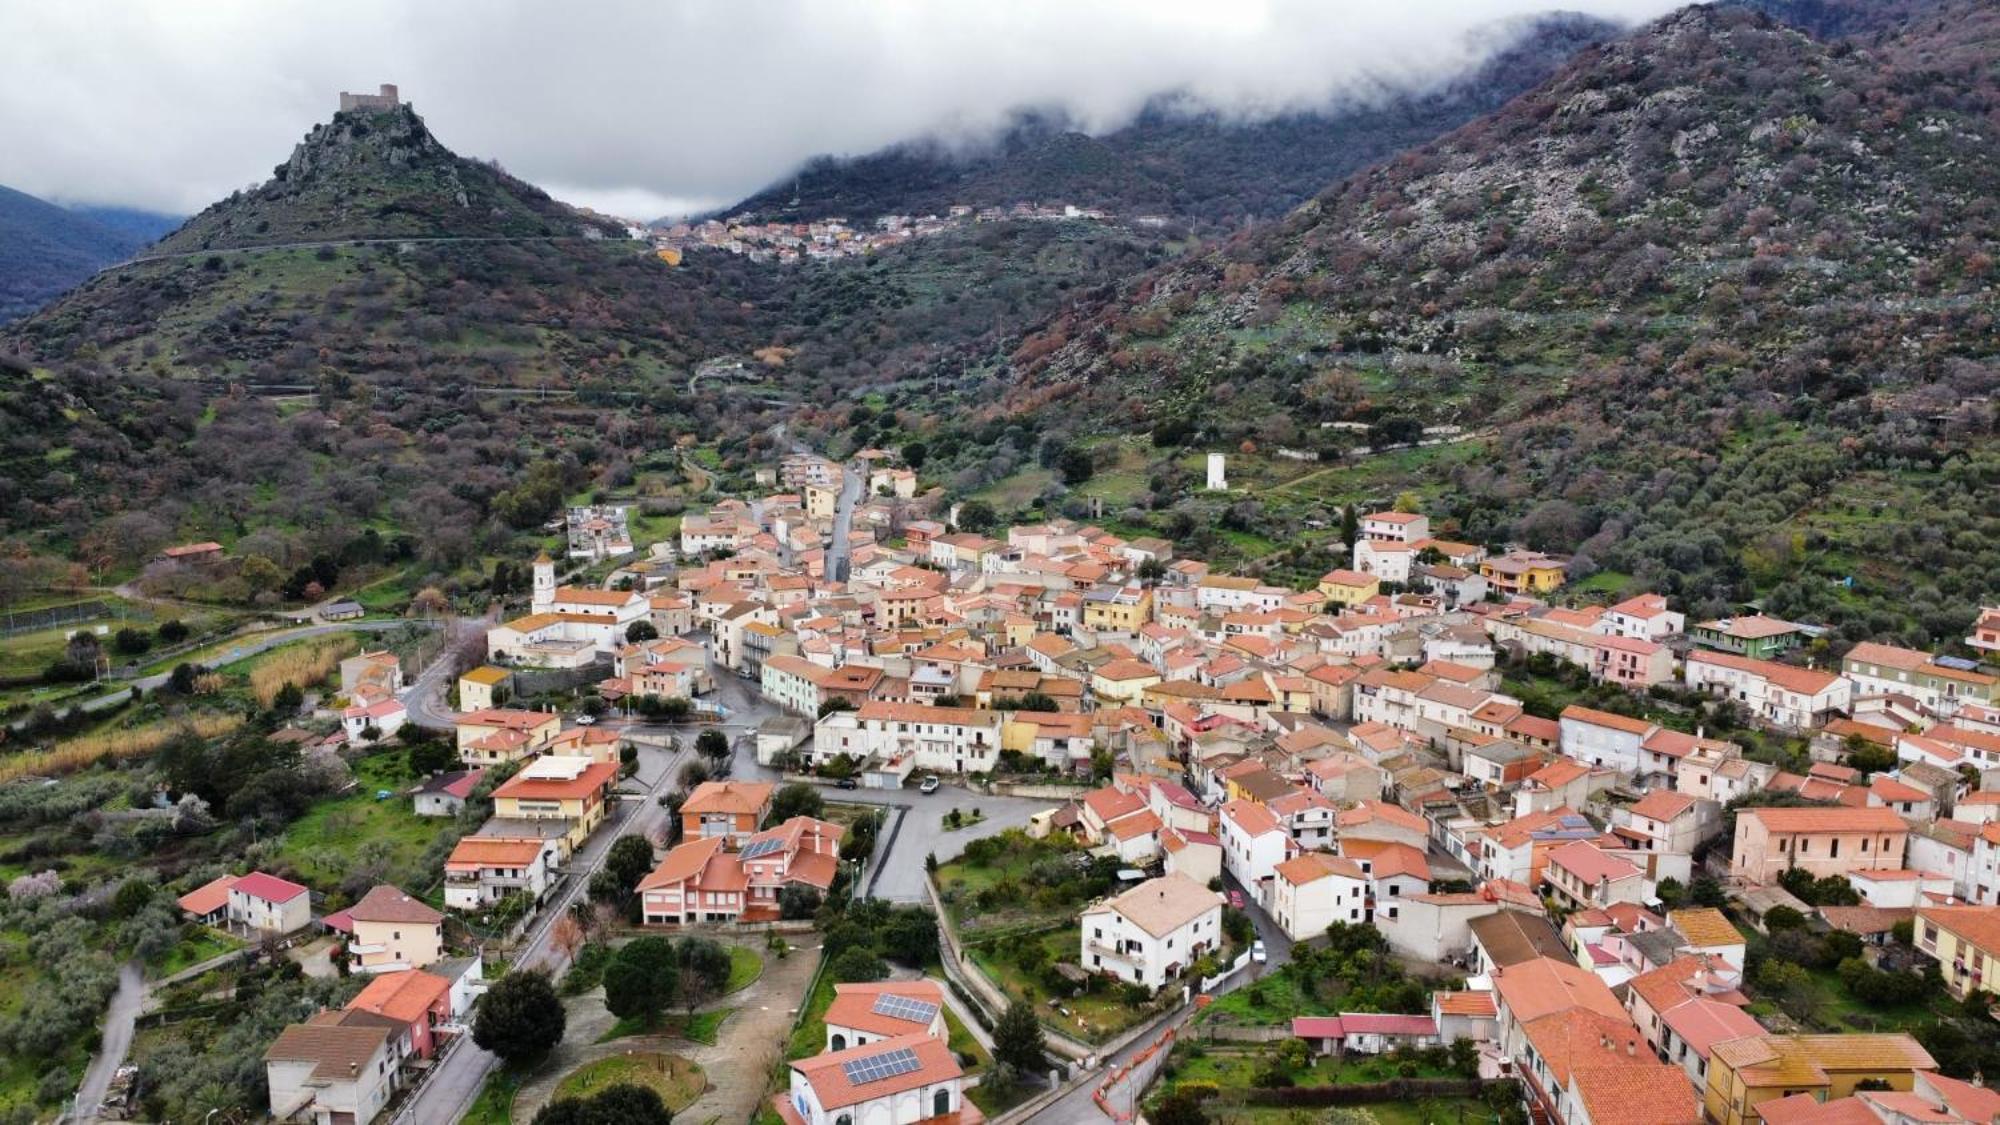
[
  {"x": 265, "y": 904},
  {"x": 1820, "y": 840},
  {"x": 1254, "y": 843},
  {"x": 416, "y": 1001},
  {"x": 906, "y": 1078},
  {"x": 702, "y": 881},
  {"x": 1785, "y": 696},
  {"x": 864, "y": 1013}
]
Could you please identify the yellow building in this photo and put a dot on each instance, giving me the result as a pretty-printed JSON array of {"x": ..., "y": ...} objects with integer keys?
[
  {"x": 496, "y": 736},
  {"x": 1349, "y": 587},
  {"x": 821, "y": 501},
  {"x": 1966, "y": 942},
  {"x": 483, "y": 688},
  {"x": 1117, "y": 611},
  {"x": 1745, "y": 1073},
  {"x": 559, "y": 787},
  {"x": 1523, "y": 572},
  {"x": 391, "y": 931}
]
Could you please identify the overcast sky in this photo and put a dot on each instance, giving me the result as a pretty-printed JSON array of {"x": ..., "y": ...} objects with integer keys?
[{"x": 655, "y": 107}]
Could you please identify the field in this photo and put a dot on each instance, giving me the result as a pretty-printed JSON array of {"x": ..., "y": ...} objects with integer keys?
[
  {"x": 677, "y": 1080},
  {"x": 336, "y": 836},
  {"x": 113, "y": 745},
  {"x": 1093, "y": 1017},
  {"x": 201, "y": 944}
]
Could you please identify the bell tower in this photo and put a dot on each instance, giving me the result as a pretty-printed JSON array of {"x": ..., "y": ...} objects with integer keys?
[{"x": 545, "y": 584}]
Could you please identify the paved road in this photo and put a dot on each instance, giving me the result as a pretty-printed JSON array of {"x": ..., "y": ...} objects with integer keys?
[
  {"x": 852, "y": 484},
  {"x": 1077, "y": 1106},
  {"x": 424, "y": 699},
  {"x": 243, "y": 649},
  {"x": 119, "y": 1018},
  {"x": 455, "y": 1082}
]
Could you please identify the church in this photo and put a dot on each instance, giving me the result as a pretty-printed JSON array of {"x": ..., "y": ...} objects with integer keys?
[{"x": 566, "y": 626}]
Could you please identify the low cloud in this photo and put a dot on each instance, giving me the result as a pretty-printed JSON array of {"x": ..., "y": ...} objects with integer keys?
[{"x": 645, "y": 108}]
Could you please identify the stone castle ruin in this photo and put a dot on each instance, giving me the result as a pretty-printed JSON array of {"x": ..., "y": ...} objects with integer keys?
[{"x": 375, "y": 103}]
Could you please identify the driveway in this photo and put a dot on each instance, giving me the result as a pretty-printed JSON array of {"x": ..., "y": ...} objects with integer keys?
[{"x": 119, "y": 1018}]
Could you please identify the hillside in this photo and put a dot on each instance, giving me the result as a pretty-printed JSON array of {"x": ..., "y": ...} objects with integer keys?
[
  {"x": 46, "y": 249},
  {"x": 295, "y": 394},
  {"x": 1723, "y": 293},
  {"x": 1186, "y": 163},
  {"x": 380, "y": 174}
]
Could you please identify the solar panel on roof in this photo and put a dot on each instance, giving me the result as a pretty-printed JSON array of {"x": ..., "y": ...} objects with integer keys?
[
  {"x": 904, "y": 1008},
  {"x": 874, "y": 1068},
  {"x": 762, "y": 848}
]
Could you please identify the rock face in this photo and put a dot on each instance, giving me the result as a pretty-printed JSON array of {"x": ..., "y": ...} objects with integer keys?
[{"x": 379, "y": 174}]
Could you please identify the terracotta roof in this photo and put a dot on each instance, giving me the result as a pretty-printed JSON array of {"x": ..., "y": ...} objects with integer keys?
[
  {"x": 1624, "y": 723},
  {"x": 592, "y": 779},
  {"x": 1161, "y": 906},
  {"x": 1512, "y": 937},
  {"x": 1387, "y": 858},
  {"x": 831, "y": 1088},
  {"x": 209, "y": 897},
  {"x": 384, "y": 903},
  {"x": 1663, "y": 804},
  {"x": 1478, "y": 1005},
  {"x": 1704, "y": 926},
  {"x": 485, "y": 851},
  {"x": 1979, "y": 925},
  {"x": 1804, "y": 681},
  {"x": 1535, "y": 988},
  {"x": 739, "y": 798},
  {"x": 1314, "y": 866},
  {"x": 270, "y": 888},
  {"x": 1806, "y": 1109},
  {"x": 403, "y": 996},
  {"x": 1655, "y": 1094},
  {"x": 336, "y": 1051},
  {"x": 507, "y": 719},
  {"x": 1828, "y": 820},
  {"x": 682, "y": 863},
  {"x": 854, "y": 1006},
  {"x": 1254, "y": 819}
]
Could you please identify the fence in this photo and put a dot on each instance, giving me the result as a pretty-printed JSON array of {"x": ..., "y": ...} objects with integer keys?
[
  {"x": 1209, "y": 984},
  {"x": 1118, "y": 1095},
  {"x": 983, "y": 991},
  {"x": 1369, "y": 1093},
  {"x": 49, "y": 617}
]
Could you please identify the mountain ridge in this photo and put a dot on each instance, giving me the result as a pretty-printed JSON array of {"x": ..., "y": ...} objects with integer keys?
[{"x": 1183, "y": 164}]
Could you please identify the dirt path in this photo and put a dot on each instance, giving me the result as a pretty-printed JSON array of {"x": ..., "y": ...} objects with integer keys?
[
  {"x": 737, "y": 1065},
  {"x": 119, "y": 1017}
]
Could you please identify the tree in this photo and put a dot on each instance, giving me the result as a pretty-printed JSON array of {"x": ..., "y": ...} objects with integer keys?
[
  {"x": 1075, "y": 464},
  {"x": 797, "y": 901},
  {"x": 628, "y": 861},
  {"x": 1018, "y": 1038},
  {"x": 976, "y": 516},
  {"x": 834, "y": 703},
  {"x": 520, "y": 1018},
  {"x": 712, "y": 743},
  {"x": 641, "y": 631},
  {"x": 642, "y": 979},
  {"x": 429, "y": 755},
  {"x": 172, "y": 632},
  {"x": 624, "y": 1103},
  {"x": 131, "y": 642},
  {"x": 1182, "y": 1107},
  {"x": 915, "y": 454},
  {"x": 705, "y": 959},
  {"x": 858, "y": 964},
  {"x": 797, "y": 799}
]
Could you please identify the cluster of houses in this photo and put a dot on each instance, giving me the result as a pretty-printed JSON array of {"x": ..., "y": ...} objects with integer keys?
[
  {"x": 830, "y": 239},
  {"x": 1345, "y": 753},
  {"x": 345, "y": 1065}
]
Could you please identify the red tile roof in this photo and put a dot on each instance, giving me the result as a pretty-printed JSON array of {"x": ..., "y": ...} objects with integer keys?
[{"x": 270, "y": 888}]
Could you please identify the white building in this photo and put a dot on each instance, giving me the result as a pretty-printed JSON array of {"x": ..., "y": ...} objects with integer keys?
[
  {"x": 942, "y": 739},
  {"x": 905, "y": 1079},
  {"x": 1312, "y": 891},
  {"x": 1152, "y": 932},
  {"x": 1782, "y": 695},
  {"x": 1253, "y": 843}
]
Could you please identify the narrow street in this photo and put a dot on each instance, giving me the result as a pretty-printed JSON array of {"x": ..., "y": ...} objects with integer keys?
[
  {"x": 115, "y": 1043},
  {"x": 456, "y": 1080}
]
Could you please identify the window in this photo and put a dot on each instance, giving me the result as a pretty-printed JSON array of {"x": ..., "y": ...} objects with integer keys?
[{"x": 1834, "y": 848}]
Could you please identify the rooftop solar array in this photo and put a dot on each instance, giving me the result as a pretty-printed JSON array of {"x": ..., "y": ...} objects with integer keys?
[
  {"x": 763, "y": 847},
  {"x": 874, "y": 1068},
  {"x": 903, "y": 1008}
]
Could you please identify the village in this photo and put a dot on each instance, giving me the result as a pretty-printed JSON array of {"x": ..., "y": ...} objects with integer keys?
[
  {"x": 830, "y": 239},
  {"x": 1602, "y": 864}
]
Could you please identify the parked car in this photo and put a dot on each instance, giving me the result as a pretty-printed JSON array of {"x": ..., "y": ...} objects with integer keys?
[
  {"x": 846, "y": 783},
  {"x": 1257, "y": 953},
  {"x": 930, "y": 785},
  {"x": 585, "y": 720},
  {"x": 1236, "y": 899}
]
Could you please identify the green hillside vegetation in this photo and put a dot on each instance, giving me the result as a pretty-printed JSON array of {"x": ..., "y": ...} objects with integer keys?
[{"x": 1702, "y": 363}]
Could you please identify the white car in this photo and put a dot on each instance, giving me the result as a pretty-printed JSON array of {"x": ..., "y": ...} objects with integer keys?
[
  {"x": 930, "y": 785},
  {"x": 585, "y": 720},
  {"x": 1257, "y": 953}
]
